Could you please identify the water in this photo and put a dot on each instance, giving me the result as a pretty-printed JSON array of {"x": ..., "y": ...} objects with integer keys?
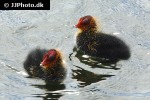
[{"x": 21, "y": 31}]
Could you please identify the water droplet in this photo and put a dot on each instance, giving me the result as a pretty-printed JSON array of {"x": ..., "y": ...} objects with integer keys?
[
  {"x": 85, "y": 56},
  {"x": 116, "y": 33}
]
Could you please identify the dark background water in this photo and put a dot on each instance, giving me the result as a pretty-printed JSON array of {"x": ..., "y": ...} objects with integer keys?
[{"x": 21, "y": 31}]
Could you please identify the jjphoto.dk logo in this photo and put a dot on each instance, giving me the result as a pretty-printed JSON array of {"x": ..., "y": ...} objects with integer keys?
[
  {"x": 25, "y": 5},
  {"x": 39, "y": 4}
]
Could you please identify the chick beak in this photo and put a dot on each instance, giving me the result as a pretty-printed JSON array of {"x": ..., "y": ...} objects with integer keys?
[
  {"x": 44, "y": 64},
  {"x": 74, "y": 26},
  {"x": 77, "y": 25}
]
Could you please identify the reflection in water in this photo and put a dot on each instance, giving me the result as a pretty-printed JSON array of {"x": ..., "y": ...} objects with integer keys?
[
  {"x": 93, "y": 62},
  {"x": 86, "y": 77},
  {"x": 50, "y": 94}
]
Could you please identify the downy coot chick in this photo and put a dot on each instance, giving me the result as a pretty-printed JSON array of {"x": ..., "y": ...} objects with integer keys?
[
  {"x": 98, "y": 44},
  {"x": 45, "y": 64}
]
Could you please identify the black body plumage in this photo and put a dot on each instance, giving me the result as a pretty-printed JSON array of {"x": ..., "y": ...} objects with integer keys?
[{"x": 98, "y": 44}]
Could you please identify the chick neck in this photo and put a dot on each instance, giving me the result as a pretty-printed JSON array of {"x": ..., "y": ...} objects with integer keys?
[{"x": 89, "y": 29}]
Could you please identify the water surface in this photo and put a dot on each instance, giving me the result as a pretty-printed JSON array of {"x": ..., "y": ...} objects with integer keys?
[{"x": 21, "y": 31}]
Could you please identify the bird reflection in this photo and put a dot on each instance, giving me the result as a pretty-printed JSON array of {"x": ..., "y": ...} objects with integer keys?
[
  {"x": 50, "y": 91},
  {"x": 92, "y": 61},
  {"x": 86, "y": 77}
]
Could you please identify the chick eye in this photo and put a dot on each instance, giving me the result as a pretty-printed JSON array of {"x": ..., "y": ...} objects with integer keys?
[{"x": 52, "y": 58}]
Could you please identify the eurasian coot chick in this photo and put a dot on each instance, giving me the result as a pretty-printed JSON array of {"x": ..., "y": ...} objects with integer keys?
[
  {"x": 45, "y": 64},
  {"x": 98, "y": 44}
]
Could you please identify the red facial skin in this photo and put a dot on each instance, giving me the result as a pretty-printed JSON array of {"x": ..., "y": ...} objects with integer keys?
[
  {"x": 49, "y": 59},
  {"x": 86, "y": 22}
]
